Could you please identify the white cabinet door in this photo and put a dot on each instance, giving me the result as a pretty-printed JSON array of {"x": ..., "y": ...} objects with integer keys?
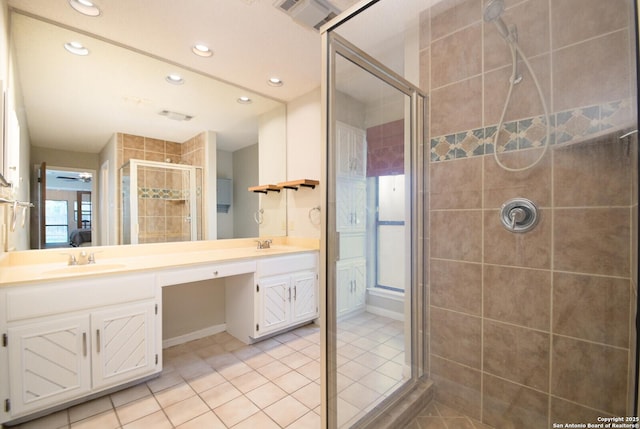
[
  {"x": 49, "y": 363},
  {"x": 274, "y": 301},
  {"x": 351, "y": 204},
  {"x": 344, "y": 287},
  {"x": 351, "y": 285},
  {"x": 123, "y": 343},
  {"x": 359, "y": 275},
  {"x": 305, "y": 302},
  {"x": 351, "y": 146}
]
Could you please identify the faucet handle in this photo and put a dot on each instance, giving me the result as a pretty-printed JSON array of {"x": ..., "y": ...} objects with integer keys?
[
  {"x": 72, "y": 260},
  {"x": 92, "y": 258}
]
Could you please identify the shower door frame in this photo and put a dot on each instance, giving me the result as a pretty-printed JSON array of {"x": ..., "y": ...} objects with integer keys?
[
  {"x": 334, "y": 45},
  {"x": 133, "y": 194}
]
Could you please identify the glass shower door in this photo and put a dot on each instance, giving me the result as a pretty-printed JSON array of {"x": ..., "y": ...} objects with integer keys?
[
  {"x": 160, "y": 202},
  {"x": 373, "y": 184}
]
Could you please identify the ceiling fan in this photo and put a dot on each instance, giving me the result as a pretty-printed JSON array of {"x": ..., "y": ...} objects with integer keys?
[{"x": 82, "y": 177}]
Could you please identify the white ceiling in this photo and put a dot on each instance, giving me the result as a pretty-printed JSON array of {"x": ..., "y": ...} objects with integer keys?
[{"x": 77, "y": 103}]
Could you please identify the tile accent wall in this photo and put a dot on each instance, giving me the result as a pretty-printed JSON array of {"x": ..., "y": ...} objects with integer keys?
[
  {"x": 162, "y": 209},
  {"x": 530, "y": 329}
]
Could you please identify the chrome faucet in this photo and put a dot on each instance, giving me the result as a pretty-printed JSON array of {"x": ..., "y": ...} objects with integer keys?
[
  {"x": 83, "y": 258},
  {"x": 264, "y": 244}
]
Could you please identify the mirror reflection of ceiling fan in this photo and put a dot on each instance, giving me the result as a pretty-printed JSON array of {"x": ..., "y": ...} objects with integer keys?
[{"x": 82, "y": 177}]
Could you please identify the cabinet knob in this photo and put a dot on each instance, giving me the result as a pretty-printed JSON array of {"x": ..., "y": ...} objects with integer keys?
[{"x": 215, "y": 273}]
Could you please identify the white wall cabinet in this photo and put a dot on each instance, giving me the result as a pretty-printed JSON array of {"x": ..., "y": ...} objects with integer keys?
[
  {"x": 351, "y": 144},
  {"x": 351, "y": 205},
  {"x": 60, "y": 349},
  {"x": 285, "y": 295},
  {"x": 351, "y": 286}
]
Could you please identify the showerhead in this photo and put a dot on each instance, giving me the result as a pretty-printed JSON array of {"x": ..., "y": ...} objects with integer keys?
[{"x": 492, "y": 12}]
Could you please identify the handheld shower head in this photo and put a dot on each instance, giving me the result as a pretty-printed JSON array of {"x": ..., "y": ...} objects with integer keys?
[{"x": 492, "y": 13}]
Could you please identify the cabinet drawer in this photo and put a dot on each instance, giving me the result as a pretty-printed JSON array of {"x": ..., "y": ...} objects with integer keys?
[
  {"x": 287, "y": 264},
  {"x": 54, "y": 298},
  {"x": 205, "y": 272}
]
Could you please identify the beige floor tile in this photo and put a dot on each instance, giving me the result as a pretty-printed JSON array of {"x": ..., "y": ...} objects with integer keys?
[
  {"x": 131, "y": 394},
  {"x": 295, "y": 360},
  {"x": 258, "y": 420},
  {"x": 106, "y": 420},
  {"x": 313, "y": 351},
  {"x": 220, "y": 394},
  {"x": 378, "y": 382},
  {"x": 204, "y": 382},
  {"x": 311, "y": 370},
  {"x": 174, "y": 394},
  {"x": 56, "y": 420},
  {"x": 167, "y": 379},
  {"x": 88, "y": 409},
  {"x": 137, "y": 409},
  {"x": 359, "y": 396},
  {"x": 157, "y": 420},
  {"x": 246, "y": 352},
  {"x": 186, "y": 410},
  {"x": 391, "y": 369},
  {"x": 353, "y": 370},
  {"x": 310, "y": 420},
  {"x": 274, "y": 370},
  {"x": 266, "y": 395},
  {"x": 222, "y": 361},
  {"x": 249, "y": 381},
  {"x": 207, "y": 420},
  {"x": 280, "y": 351},
  {"x": 259, "y": 360},
  {"x": 286, "y": 411},
  {"x": 234, "y": 370},
  {"x": 291, "y": 381},
  {"x": 309, "y": 395},
  {"x": 236, "y": 410}
]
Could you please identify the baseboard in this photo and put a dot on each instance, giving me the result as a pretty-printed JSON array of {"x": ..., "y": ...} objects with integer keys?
[
  {"x": 195, "y": 335},
  {"x": 385, "y": 313}
]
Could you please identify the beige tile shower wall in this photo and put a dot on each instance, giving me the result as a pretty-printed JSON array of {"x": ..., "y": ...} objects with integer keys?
[
  {"x": 161, "y": 220},
  {"x": 536, "y": 328}
]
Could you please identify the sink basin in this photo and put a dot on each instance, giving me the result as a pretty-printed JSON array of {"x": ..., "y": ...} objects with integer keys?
[{"x": 89, "y": 268}]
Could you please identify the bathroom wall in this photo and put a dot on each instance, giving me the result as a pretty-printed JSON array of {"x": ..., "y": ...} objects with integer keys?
[
  {"x": 303, "y": 162},
  {"x": 534, "y": 328}
]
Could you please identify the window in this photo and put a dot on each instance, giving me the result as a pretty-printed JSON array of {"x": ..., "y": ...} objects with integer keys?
[
  {"x": 390, "y": 233},
  {"x": 56, "y": 222}
]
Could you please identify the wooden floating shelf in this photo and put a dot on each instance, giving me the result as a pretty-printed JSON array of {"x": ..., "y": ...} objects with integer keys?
[
  {"x": 295, "y": 184},
  {"x": 265, "y": 189}
]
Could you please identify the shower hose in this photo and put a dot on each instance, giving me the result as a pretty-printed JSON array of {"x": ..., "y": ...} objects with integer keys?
[{"x": 515, "y": 49}]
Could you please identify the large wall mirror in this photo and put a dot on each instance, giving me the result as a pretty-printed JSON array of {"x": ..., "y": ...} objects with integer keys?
[{"x": 86, "y": 116}]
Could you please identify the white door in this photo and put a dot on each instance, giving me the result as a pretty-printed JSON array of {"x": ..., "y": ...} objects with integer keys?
[
  {"x": 49, "y": 363},
  {"x": 123, "y": 343},
  {"x": 274, "y": 302},
  {"x": 304, "y": 296}
]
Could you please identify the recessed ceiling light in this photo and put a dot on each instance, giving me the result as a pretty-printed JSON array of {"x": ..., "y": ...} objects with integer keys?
[
  {"x": 76, "y": 48},
  {"x": 202, "y": 50},
  {"x": 175, "y": 79},
  {"x": 85, "y": 7},
  {"x": 274, "y": 81},
  {"x": 244, "y": 100}
]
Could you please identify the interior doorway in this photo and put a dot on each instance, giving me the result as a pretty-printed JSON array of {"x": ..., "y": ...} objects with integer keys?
[{"x": 66, "y": 200}]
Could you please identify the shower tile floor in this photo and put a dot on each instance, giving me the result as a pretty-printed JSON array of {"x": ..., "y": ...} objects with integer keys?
[
  {"x": 219, "y": 382},
  {"x": 439, "y": 416}
]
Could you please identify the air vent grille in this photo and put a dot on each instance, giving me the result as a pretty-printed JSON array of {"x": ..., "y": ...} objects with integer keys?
[{"x": 286, "y": 5}]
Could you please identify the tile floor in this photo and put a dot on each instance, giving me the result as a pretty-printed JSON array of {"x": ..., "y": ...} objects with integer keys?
[
  {"x": 219, "y": 382},
  {"x": 438, "y": 416}
]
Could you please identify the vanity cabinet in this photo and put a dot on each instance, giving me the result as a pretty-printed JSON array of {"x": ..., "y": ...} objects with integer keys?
[
  {"x": 68, "y": 340},
  {"x": 285, "y": 295}
]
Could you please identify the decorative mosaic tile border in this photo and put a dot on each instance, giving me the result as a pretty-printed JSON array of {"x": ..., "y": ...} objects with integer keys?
[
  {"x": 166, "y": 194},
  {"x": 566, "y": 126}
]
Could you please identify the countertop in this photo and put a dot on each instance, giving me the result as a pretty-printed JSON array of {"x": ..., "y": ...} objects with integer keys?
[{"x": 31, "y": 266}]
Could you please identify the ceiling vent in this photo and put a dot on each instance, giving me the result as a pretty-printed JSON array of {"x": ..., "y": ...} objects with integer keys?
[
  {"x": 309, "y": 13},
  {"x": 175, "y": 115}
]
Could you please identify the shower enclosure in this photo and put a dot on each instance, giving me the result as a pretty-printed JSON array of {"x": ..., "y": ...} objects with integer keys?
[
  {"x": 513, "y": 284},
  {"x": 161, "y": 202}
]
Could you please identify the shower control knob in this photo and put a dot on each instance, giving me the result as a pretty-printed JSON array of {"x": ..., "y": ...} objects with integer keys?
[{"x": 519, "y": 215}]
